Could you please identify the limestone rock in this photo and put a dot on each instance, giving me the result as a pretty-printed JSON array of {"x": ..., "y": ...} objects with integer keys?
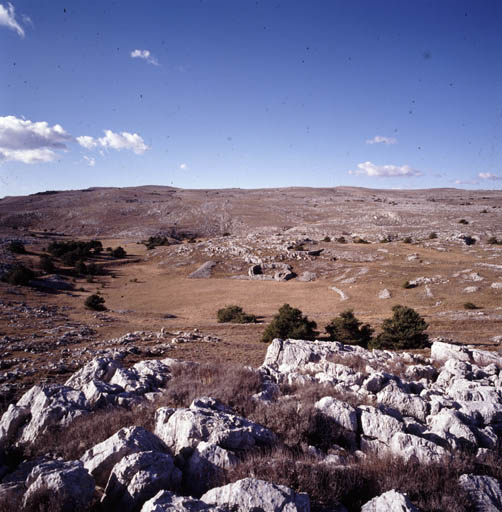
[
  {"x": 484, "y": 491},
  {"x": 204, "y": 271},
  {"x": 377, "y": 425},
  {"x": 390, "y": 501},
  {"x": 100, "y": 459},
  {"x": 166, "y": 501},
  {"x": 206, "y": 465},
  {"x": 186, "y": 428},
  {"x": 343, "y": 414},
  {"x": 68, "y": 483},
  {"x": 138, "y": 477},
  {"x": 251, "y": 494}
]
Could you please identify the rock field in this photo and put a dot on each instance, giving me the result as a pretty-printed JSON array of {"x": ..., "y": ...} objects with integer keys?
[{"x": 425, "y": 410}]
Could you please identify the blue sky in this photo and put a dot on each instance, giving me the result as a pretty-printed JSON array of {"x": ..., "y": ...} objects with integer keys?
[{"x": 211, "y": 94}]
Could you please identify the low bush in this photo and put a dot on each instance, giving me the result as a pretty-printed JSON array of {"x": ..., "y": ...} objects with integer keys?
[
  {"x": 118, "y": 253},
  {"x": 341, "y": 240},
  {"x": 404, "y": 330},
  {"x": 463, "y": 221},
  {"x": 494, "y": 241},
  {"x": 95, "y": 302},
  {"x": 234, "y": 314},
  {"x": 46, "y": 264},
  {"x": 326, "y": 239},
  {"x": 290, "y": 323},
  {"x": 433, "y": 235},
  {"x": 407, "y": 240},
  {"x": 470, "y": 305},
  {"x": 346, "y": 328},
  {"x": 16, "y": 247},
  {"x": 19, "y": 275}
]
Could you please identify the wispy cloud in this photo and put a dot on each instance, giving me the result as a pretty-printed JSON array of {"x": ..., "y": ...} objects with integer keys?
[
  {"x": 91, "y": 162},
  {"x": 379, "y": 139},
  {"x": 183, "y": 166},
  {"x": 24, "y": 141},
  {"x": 111, "y": 140},
  {"x": 489, "y": 176},
  {"x": 385, "y": 171},
  {"x": 8, "y": 18},
  {"x": 145, "y": 55}
]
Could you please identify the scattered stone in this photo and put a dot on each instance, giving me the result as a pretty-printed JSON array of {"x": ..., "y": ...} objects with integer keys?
[
  {"x": 384, "y": 294},
  {"x": 204, "y": 271}
]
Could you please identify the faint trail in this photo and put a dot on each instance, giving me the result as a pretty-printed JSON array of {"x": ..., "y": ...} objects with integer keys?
[{"x": 343, "y": 296}]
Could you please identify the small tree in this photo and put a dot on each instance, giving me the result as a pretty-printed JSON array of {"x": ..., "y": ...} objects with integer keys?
[
  {"x": 346, "y": 328},
  {"x": 20, "y": 275},
  {"x": 46, "y": 264},
  {"x": 95, "y": 302},
  {"x": 405, "y": 330},
  {"x": 118, "y": 253},
  {"x": 290, "y": 323},
  {"x": 234, "y": 314},
  {"x": 16, "y": 247}
]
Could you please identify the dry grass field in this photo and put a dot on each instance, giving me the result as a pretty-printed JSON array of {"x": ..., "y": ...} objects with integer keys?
[{"x": 150, "y": 289}]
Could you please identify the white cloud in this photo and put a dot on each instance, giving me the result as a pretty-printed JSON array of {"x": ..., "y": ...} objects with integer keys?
[
  {"x": 385, "y": 171},
  {"x": 87, "y": 142},
  {"x": 91, "y": 162},
  {"x": 183, "y": 166},
  {"x": 145, "y": 55},
  {"x": 28, "y": 142},
  {"x": 379, "y": 139},
  {"x": 8, "y": 19},
  {"x": 489, "y": 176},
  {"x": 124, "y": 140}
]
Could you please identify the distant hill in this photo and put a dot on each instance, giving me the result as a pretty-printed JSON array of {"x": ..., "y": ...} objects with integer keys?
[{"x": 138, "y": 212}]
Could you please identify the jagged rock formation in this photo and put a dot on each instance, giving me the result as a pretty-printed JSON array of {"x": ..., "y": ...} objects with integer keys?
[{"x": 404, "y": 405}]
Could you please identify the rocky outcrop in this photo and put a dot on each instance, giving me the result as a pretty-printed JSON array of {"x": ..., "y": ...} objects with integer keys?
[
  {"x": 251, "y": 494},
  {"x": 391, "y": 501},
  {"x": 67, "y": 483},
  {"x": 485, "y": 492},
  {"x": 204, "y": 271},
  {"x": 138, "y": 477},
  {"x": 209, "y": 437},
  {"x": 101, "y": 459}
]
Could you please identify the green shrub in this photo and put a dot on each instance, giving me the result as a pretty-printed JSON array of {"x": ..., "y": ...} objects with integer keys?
[
  {"x": 407, "y": 240},
  {"x": 19, "y": 275},
  {"x": 95, "y": 302},
  {"x": 470, "y": 305},
  {"x": 341, "y": 240},
  {"x": 16, "y": 247},
  {"x": 290, "y": 323},
  {"x": 81, "y": 268},
  {"x": 46, "y": 264},
  {"x": 405, "y": 330},
  {"x": 118, "y": 253},
  {"x": 346, "y": 328},
  {"x": 234, "y": 314},
  {"x": 433, "y": 235},
  {"x": 359, "y": 240},
  {"x": 468, "y": 240},
  {"x": 326, "y": 239}
]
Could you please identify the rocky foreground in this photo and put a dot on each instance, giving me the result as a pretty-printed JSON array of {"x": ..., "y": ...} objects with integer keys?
[{"x": 368, "y": 406}]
